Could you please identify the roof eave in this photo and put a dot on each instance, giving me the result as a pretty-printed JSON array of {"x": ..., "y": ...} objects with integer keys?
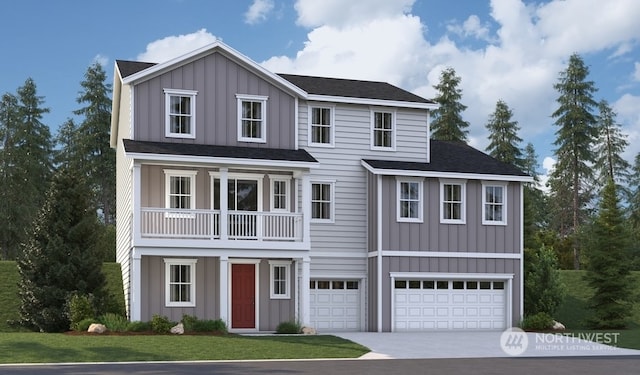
[
  {"x": 373, "y": 102},
  {"x": 194, "y": 159}
]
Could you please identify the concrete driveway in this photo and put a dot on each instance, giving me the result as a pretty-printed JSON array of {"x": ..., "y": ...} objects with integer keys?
[{"x": 482, "y": 345}]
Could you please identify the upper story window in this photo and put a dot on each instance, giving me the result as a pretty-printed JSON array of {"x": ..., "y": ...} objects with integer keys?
[
  {"x": 279, "y": 193},
  {"x": 180, "y": 117},
  {"x": 409, "y": 192},
  {"x": 321, "y": 127},
  {"x": 180, "y": 286},
  {"x": 494, "y": 203},
  {"x": 252, "y": 118},
  {"x": 180, "y": 189},
  {"x": 322, "y": 201},
  {"x": 280, "y": 284},
  {"x": 452, "y": 205},
  {"x": 383, "y": 130}
]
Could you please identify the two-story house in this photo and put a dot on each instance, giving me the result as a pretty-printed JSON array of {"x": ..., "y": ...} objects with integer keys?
[{"x": 259, "y": 198}]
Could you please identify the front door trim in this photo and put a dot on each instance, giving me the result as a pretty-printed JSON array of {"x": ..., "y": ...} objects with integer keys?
[{"x": 255, "y": 262}]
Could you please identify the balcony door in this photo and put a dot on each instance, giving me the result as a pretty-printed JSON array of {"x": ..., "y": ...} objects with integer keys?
[{"x": 244, "y": 200}]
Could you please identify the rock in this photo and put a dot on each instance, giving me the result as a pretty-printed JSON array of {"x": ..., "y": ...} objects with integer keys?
[
  {"x": 308, "y": 331},
  {"x": 178, "y": 329},
  {"x": 557, "y": 326},
  {"x": 97, "y": 328}
]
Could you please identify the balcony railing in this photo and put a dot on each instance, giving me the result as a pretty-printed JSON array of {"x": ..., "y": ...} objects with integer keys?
[{"x": 206, "y": 224}]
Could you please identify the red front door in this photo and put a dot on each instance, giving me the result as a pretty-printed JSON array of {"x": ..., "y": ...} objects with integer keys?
[{"x": 243, "y": 296}]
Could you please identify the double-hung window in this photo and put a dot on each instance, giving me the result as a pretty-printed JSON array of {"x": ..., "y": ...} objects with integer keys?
[
  {"x": 494, "y": 203},
  {"x": 180, "y": 189},
  {"x": 409, "y": 192},
  {"x": 280, "y": 277},
  {"x": 452, "y": 205},
  {"x": 321, "y": 126},
  {"x": 279, "y": 193},
  {"x": 180, "y": 282},
  {"x": 252, "y": 118},
  {"x": 382, "y": 130},
  {"x": 180, "y": 113},
  {"x": 322, "y": 201}
]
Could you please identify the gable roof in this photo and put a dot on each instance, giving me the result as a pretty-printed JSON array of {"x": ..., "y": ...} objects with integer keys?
[
  {"x": 453, "y": 159},
  {"x": 128, "y": 68}
]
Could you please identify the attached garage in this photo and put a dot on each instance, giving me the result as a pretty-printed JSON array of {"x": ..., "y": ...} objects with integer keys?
[
  {"x": 335, "y": 305},
  {"x": 431, "y": 304}
]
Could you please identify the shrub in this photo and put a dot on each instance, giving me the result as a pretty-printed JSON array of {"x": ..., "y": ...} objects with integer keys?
[
  {"x": 193, "y": 324},
  {"x": 537, "y": 322},
  {"x": 291, "y": 327},
  {"x": 80, "y": 307},
  {"x": 83, "y": 325},
  {"x": 114, "y": 322},
  {"x": 138, "y": 326},
  {"x": 543, "y": 289},
  {"x": 161, "y": 324},
  {"x": 189, "y": 322}
]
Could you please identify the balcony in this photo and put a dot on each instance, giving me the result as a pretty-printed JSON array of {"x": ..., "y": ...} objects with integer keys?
[{"x": 161, "y": 223}]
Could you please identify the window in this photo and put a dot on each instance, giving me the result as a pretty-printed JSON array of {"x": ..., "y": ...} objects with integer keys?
[
  {"x": 280, "y": 279},
  {"x": 180, "y": 189},
  {"x": 382, "y": 130},
  {"x": 252, "y": 120},
  {"x": 180, "y": 107},
  {"x": 320, "y": 126},
  {"x": 180, "y": 287},
  {"x": 244, "y": 192},
  {"x": 452, "y": 207},
  {"x": 322, "y": 201},
  {"x": 409, "y": 194},
  {"x": 279, "y": 193},
  {"x": 494, "y": 203}
]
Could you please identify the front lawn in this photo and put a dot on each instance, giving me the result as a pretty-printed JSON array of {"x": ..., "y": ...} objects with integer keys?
[{"x": 59, "y": 348}]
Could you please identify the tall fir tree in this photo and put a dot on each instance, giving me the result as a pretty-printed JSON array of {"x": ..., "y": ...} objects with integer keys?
[
  {"x": 97, "y": 158},
  {"x": 610, "y": 145},
  {"x": 67, "y": 154},
  {"x": 536, "y": 212},
  {"x": 572, "y": 177},
  {"x": 60, "y": 257},
  {"x": 503, "y": 136},
  {"x": 447, "y": 123},
  {"x": 608, "y": 271},
  {"x": 633, "y": 211},
  {"x": 9, "y": 230}
]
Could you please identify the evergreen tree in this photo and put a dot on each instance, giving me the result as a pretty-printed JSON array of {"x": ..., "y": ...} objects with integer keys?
[
  {"x": 610, "y": 145},
  {"x": 634, "y": 211},
  {"x": 97, "y": 159},
  {"x": 503, "y": 136},
  {"x": 543, "y": 290},
  {"x": 60, "y": 257},
  {"x": 608, "y": 270},
  {"x": 68, "y": 153},
  {"x": 572, "y": 176},
  {"x": 536, "y": 212},
  {"x": 447, "y": 123},
  {"x": 9, "y": 230}
]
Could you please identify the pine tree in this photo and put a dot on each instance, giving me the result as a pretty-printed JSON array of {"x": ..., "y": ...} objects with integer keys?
[
  {"x": 633, "y": 211},
  {"x": 97, "y": 158},
  {"x": 609, "y": 267},
  {"x": 9, "y": 230},
  {"x": 68, "y": 153},
  {"x": 543, "y": 289},
  {"x": 503, "y": 136},
  {"x": 610, "y": 145},
  {"x": 536, "y": 212},
  {"x": 447, "y": 123},
  {"x": 60, "y": 256},
  {"x": 572, "y": 176}
]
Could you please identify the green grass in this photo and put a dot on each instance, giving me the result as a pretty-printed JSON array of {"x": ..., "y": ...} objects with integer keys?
[{"x": 59, "y": 348}]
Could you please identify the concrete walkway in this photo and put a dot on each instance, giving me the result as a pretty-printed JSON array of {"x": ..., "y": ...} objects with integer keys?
[{"x": 480, "y": 345}]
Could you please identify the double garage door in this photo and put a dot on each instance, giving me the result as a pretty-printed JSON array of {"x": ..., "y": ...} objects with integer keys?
[
  {"x": 335, "y": 305},
  {"x": 422, "y": 305}
]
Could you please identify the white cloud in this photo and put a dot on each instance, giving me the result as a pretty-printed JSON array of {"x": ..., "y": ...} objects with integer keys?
[
  {"x": 171, "y": 47},
  {"x": 636, "y": 72},
  {"x": 258, "y": 11},
  {"x": 470, "y": 27},
  {"x": 100, "y": 59},
  {"x": 340, "y": 13},
  {"x": 628, "y": 110}
]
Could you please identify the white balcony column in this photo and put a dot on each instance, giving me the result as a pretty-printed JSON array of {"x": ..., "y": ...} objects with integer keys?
[
  {"x": 224, "y": 289},
  {"x": 136, "y": 226},
  {"x": 224, "y": 203},
  {"x": 135, "y": 285},
  {"x": 305, "y": 306}
]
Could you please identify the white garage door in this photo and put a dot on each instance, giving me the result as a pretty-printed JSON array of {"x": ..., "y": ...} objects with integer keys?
[
  {"x": 449, "y": 305},
  {"x": 335, "y": 305}
]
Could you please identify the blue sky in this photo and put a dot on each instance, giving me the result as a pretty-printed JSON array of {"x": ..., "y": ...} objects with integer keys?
[{"x": 502, "y": 49}]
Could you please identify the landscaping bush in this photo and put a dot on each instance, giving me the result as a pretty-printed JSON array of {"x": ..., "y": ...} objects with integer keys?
[
  {"x": 138, "y": 326},
  {"x": 193, "y": 324},
  {"x": 83, "y": 325},
  {"x": 80, "y": 307},
  {"x": 161, "y": 324},
  {"x": 537, "y": 322},
  {"x": 114, "y": 322},
  {"x": 291, "y": 327}
]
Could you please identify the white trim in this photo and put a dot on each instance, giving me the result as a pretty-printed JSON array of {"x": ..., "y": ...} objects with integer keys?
[
  {"x": 463, "y": 201},
  {"x": 296, "y": 123},
  {"x": 273, "y": 178},
  {"x": 504, "y": 186},
  {"x": 191, "y": 94},
  {"x": 287, "y": 281},
  {"x": 452, "y": 276},
  {"x": 191, "y": 175},
  {"x": 332, "y": 127},
  {"x": 193, "y": 159},
  {"x": 521, "y": 278},
  {"x": 334, "y": 255},
  {"x": 371, "y": 102},
  {"x": 324, "y": 276},
  {"x": 421, "y": 202},
  {"x": 379, "y": 255},
  {"x": 332, "y": 202},
  {"x": 241, "y": 98},
  {"x": 394, "y": 129},
  {"x": 256, "y": 263},
  {"x": 168, "y": 262},
  {"x": 223, "y": 279},
  {"x": 446, "y": 254}
]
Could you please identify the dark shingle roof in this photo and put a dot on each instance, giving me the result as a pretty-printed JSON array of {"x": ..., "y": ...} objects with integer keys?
[
  {"x": 453, "y": 157},
  {"x": 128, "y": 68},
  {"x": 353, "y": 88},
  {"x": 190, "y": 149}
]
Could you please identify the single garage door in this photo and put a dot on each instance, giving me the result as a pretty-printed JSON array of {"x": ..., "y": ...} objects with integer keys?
[
  {"x": 335, "y": 305},
  {"x": 421, "y": 305}
]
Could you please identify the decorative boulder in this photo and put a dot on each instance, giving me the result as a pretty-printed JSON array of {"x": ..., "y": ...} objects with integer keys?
[
  {"x": 308, "y": 331},
  {"x": 557, "y": 326},
  {"x": 97, "y": 328},
  {"x": 178, "y": 329}
]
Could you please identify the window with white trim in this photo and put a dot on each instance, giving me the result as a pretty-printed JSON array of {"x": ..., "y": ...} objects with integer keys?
[
  {"x": 279, "y": 193},
  {"x": 180, "y": 282},
  {"x": 494, "y": 203},
  {"x": 322, "y": 205},
  {"x": 252, "y": 118},
  {"x": 180, "y": 116},
  {"x": 452, "y": 205},
  {"x": 382, "y": 130},
  {"x": 180, "y": 189},
  {"x": 409, "y": 193},
  {"x": 321, "y": 126},
  {"x": 280, "y": 279}
]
